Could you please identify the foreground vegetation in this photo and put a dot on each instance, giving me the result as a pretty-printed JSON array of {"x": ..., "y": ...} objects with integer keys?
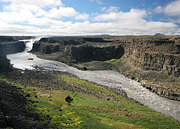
[{"x": 102, "y": 109}]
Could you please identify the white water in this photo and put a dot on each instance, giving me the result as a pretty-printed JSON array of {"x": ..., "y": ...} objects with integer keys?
[{"x": 106, "y": 77}]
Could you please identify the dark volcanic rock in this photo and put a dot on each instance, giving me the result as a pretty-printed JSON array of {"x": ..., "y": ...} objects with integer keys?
[
  {"x": 94, "y": 40},
  {"x": 21, "y": 37},
  {"x": 13, "y": 111},
  {"x": 79, "y": 49},
  {"x": 11, "y": 47},
  {"x": 88, "y": 52},
  {"x": 4, "y": 63},
  {"x": 6, "y": 39},
  {"x": 13, "y": 38}
]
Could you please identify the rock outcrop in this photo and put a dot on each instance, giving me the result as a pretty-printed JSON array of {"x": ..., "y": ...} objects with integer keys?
[
  {"x": 14, "y": 112},
  {"x": 79, "y": 49},
  {"x": 9, "y": 45},
  {"x": 157, "y": 54},
  {"x": 89, "y": 52},
  {"x": 4, "y": 63},
  {"x": 155, "y": 61}
]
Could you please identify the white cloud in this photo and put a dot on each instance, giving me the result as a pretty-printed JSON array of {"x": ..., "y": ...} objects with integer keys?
[
  {"x": 62, "y": 12},
  {"x": 173, "y": 8},
  {"x": 82, "y": 16},
  {"x": 11, "y": 17},
  {"x": 66, "y": 12},
  {"x": 110, "y": 9},
  {"x": 41, "y": 3},
  {"x": 87, "y": 28},
  {"x": 35, "y": 20},
  {"x": 103, "y": 9},
  {"x": 115, "y": 16},
  {"x": 23, "y": 13},
  {"x": 97, "y": 1},
  {"x": 158, "y": 9}
]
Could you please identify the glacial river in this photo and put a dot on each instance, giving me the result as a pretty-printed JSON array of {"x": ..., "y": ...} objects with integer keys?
[{"x": 104, "y": 77}]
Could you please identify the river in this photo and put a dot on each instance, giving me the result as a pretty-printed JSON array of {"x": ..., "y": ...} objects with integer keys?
[{"x": 104, "y": 77}]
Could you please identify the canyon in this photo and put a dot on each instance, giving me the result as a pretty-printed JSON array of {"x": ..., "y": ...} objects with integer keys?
[
  {"x": 152, "y": 60},
  {"x": 100, "y": 59}
]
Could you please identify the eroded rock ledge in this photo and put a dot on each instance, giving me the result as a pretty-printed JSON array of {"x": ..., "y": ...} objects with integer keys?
[{"x": 152, "y": 60}]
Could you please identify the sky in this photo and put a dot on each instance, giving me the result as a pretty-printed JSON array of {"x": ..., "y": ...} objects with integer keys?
[{"x": 89, "y": 17}]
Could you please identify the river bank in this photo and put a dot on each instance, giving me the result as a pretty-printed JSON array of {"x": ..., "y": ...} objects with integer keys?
[
  {"x": 93, "y": 105},
  {"x": 107, "y": 78}
]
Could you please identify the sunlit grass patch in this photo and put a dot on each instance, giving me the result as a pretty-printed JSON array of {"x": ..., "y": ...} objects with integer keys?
[
  {"x": 113, "y": 61},
  {"x": 87, "y": 85},
  {"x": 90, "y": 112}
]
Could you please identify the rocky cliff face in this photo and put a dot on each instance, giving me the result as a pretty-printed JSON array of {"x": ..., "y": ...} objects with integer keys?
[
  {"x": 4, "y": 63},
  {"x": 9, "y": 45},
  {"x": 155, "y": 54},
  {"x": 154, "y": 61},
  {"x": 89, "y": 52},
  {"x": 79, "y": 49}
]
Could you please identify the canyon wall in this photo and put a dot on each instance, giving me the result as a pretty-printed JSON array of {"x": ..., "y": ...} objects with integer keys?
[
  {"x": 9, "y": 45},
  {"x": 79, "y": 49},
  {"x": 154, "y": 61},
  {"x": 157, "y": 54}
]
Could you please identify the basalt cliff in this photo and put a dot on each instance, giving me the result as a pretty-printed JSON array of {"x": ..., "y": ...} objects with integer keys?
[
  {"x": 9, "y": 45},
  {"x": 72, "y": 50},
  {"x": 154, "y": 61}
]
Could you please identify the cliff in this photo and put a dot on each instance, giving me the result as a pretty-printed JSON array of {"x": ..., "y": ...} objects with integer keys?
[
  {"x": 78, "y": 49},
  {"x": 9, "y": 45},
  {"x": 152, "y": 60},
  {"x": 4, "y": 63}
]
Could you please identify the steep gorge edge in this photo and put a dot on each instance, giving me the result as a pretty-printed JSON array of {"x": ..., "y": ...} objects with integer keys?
[
  {"x": 10, "y": 45},
  {"x": 152, "y": 60}
]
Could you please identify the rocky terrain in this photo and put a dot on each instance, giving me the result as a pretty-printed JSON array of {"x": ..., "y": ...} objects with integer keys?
[
  {"x": 155, "y": 61},
  {"x": 9, "y": 45},
  {"x": 152, "y": 60},
  {"x": 13, "y": 111},
  {"x": 78, "y": 49}
]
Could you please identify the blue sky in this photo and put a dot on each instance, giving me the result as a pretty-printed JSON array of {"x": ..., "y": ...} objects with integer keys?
[{"x": 89, "y": 17}]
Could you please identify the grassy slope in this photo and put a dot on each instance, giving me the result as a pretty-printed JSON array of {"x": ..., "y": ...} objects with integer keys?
[{"x": 87, "y": 111}]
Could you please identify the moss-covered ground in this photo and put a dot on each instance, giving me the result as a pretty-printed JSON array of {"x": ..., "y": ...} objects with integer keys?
[{"x": 91, "y": 112}]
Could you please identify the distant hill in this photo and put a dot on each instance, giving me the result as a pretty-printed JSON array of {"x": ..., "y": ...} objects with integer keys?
[
  {"x": 158, "y": 34},
  {"x": 105, "y": 35}
]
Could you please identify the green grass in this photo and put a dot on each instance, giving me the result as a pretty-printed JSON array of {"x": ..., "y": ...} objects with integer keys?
[
  {"x": 95, "y": 67},
  {"x": 11, "y": 83},
  {"x": 89, "y": 112},
  {"x": 76, "y": 115},
  {"x": 87, "y": 86},
  {"x": 113, "y": 61}
]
